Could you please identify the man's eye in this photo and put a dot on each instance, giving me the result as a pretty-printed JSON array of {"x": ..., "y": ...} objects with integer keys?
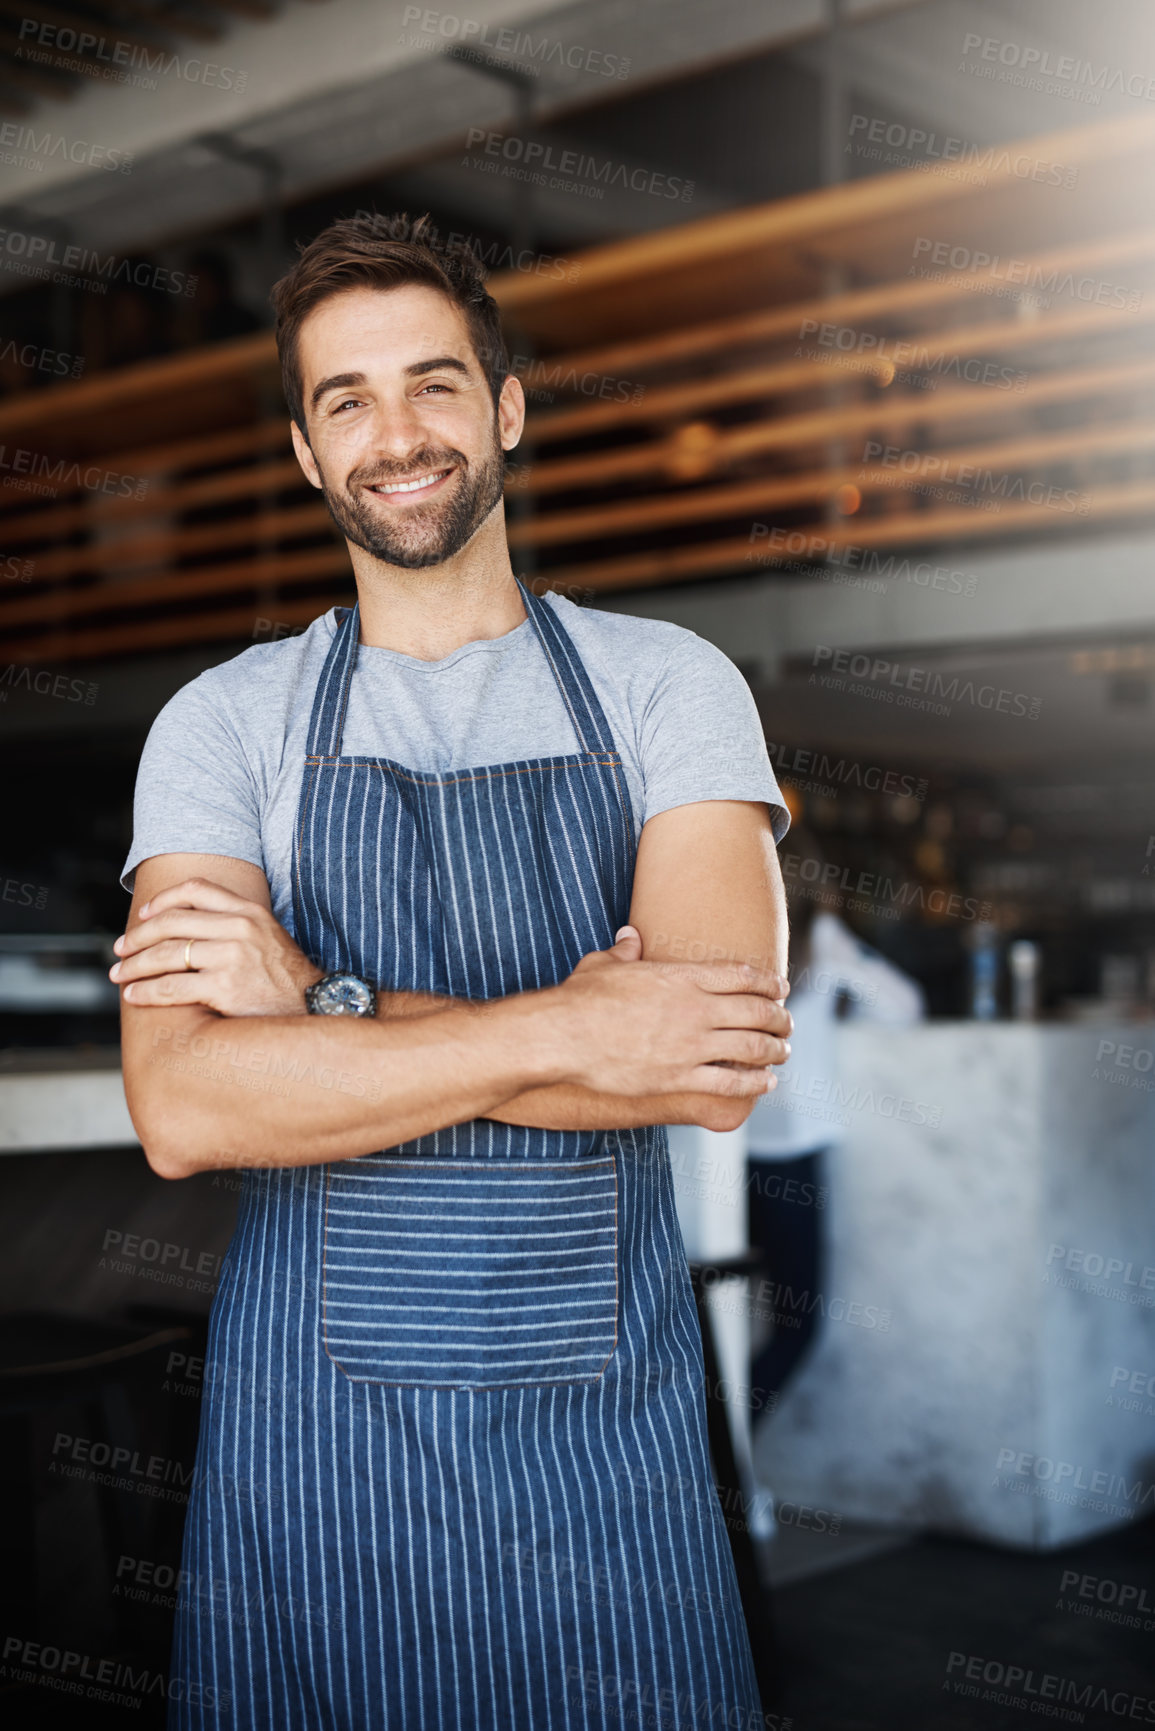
[
  {"x": 345, "y": 404},
  {"x": 434, "y": 386}
]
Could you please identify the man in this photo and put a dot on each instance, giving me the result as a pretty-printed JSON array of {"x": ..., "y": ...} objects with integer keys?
[{"x": 454, "y": 1385}]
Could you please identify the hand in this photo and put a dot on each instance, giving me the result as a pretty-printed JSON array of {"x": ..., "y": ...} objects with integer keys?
[
  {"x": 674, "y": 1027},
  {"x": 627, "y": 947},
  {"x": 244, "y": 963}
]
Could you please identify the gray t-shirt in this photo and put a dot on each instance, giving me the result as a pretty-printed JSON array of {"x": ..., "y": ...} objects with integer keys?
[{"x": 222, "y": 766}]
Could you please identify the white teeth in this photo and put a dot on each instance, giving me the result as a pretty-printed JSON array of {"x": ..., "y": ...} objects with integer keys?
[{"x": 409, "y": 486}]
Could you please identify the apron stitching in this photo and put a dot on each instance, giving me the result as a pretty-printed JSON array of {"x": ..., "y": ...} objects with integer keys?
[{"x": 422, "y": 778}]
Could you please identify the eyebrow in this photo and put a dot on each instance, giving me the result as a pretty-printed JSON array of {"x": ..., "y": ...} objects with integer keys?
[{"x": 348, "y": 381}]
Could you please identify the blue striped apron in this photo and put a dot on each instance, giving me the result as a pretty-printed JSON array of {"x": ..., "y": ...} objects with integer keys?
[{"x": 452, "y": 1469}]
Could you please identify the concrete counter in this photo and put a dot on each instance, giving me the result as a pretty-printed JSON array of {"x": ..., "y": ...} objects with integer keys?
[{"x": 988, "y": 1343}]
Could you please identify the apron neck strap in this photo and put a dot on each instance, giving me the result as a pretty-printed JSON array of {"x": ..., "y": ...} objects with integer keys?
[
  {"x": 329, "y": 705},
  {"x": 581, "y": 700},
  {"x": 578, "y": 694}
]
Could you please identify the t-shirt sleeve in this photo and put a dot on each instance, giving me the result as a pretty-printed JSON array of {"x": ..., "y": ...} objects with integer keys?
[
  {"x": 195, "y": 791},
  {"x": 702, "y": 738}
]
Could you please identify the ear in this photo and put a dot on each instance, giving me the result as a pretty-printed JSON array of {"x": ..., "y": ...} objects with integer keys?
[
  {"x": 511, "y": 411},
  {"x": 305, "y": 455}
]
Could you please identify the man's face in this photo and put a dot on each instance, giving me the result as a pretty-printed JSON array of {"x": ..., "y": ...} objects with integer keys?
[{"x": 406, "y": 446}]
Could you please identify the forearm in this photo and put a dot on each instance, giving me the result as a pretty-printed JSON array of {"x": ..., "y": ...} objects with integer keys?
[
  {"x": 568, "y": 1106},
  {"x": 208, "y": 1091}
]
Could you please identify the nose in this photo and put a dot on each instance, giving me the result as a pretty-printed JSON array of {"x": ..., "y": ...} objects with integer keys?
[{"x": 397, "y": 430}]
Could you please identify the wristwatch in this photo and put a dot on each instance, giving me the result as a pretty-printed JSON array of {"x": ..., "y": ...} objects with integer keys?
[{"x": 341, "y": 995}]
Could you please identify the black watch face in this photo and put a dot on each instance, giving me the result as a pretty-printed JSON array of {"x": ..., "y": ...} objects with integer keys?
[{"x": 342, "y": 995}]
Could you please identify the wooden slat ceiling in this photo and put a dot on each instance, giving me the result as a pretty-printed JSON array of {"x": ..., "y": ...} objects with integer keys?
[{"x": 695, "y": 411}]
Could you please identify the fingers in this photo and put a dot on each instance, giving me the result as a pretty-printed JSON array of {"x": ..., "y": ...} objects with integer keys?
[
  {"x": 745, "y": 1046},
  {"x": 627, "y": 945},
  {"x": 195, "y": 893},
  {"x": 744, "y": 1010},
  {"x": 168, "y": 989},
  {"x": 181, "y": 923},
  {"x": 730, "y": 977},
  {"x": 740, "y": 1084},
  {"x": 169, "y": 958}
]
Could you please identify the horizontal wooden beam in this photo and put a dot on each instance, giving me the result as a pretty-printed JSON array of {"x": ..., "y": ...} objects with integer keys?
[
  {"x": 812, "y": 428},
  {"x": 634, "y": 516},
  {"x": 885, "y": 302},
  {"x": 919, "y": 529},
  {"x": 178, "y": 626},
  {"x": 967, "y": 342},
  {"x": 794, "y": 222}
]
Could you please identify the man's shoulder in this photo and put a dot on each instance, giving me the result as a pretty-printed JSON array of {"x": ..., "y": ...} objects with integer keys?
[
  {"x": 257, "y": 683},
  {"x": 636, "y": 643}
]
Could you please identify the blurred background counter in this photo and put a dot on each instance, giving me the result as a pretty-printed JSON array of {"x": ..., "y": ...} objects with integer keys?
[{"x": 990, "y": 1294}]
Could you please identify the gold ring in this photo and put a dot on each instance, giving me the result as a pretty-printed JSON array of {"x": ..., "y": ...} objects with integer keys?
[{"x": 187, "y": 950}]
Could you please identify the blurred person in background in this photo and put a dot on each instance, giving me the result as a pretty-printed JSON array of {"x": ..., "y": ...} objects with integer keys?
[{"x": 833, "y": 976}]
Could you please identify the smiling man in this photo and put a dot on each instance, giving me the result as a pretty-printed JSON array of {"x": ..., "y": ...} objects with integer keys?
[{"x": 409, "y": 896}]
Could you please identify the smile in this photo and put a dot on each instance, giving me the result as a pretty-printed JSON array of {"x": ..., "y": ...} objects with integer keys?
[{"x": 394, "y": 489}]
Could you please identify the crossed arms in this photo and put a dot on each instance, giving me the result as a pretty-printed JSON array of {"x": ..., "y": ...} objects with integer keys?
[{"x": 680, "y": 1022}]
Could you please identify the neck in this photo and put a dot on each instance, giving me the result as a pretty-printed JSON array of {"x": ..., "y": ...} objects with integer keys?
[{"x": 431, "y": 612}]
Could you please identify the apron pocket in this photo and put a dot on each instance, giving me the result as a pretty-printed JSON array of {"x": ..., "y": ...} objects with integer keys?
[{"x": 470, "y": 1273}]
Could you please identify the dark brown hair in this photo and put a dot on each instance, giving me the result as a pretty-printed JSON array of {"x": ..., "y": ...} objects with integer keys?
[{"x": 375, "y": 251}]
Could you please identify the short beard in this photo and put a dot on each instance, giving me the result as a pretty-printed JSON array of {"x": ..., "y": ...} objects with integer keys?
[{"x": 431, "y": 533}]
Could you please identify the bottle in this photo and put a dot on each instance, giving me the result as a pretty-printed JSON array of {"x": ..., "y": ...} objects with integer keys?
[
  {"x": 984, "y": 972},
  {"x": 1023, "y": 957}
]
